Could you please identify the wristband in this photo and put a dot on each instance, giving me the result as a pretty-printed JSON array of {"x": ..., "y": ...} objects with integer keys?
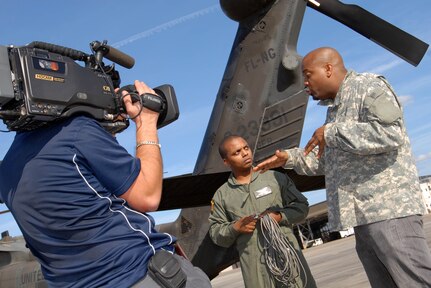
[{"x": 139, "y": 144}]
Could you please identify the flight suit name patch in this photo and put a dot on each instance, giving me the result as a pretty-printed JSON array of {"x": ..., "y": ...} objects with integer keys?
[{"x": 262, "y": 192}]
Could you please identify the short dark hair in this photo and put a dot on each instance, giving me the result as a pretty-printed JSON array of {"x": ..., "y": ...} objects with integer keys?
[{"x": 221, "y": 149}]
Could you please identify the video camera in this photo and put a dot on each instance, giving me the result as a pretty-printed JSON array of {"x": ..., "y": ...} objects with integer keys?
[{"x": 41, "y": 82}]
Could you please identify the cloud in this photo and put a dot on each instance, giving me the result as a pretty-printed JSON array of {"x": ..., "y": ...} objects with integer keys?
[
  {"x": 420, "y": 137},
  {"x": 421, "y": 130},
  {"x": 406, "y": 99},
  {"x": 423, "y": 157},
  {"x": 386, "y": 67},
  {"x": 416, "y": 84},
  {"x": 165, "y": 26},
  {"x": 376, "y": 63}
]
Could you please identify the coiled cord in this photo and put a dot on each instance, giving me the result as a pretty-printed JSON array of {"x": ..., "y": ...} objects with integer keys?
[{"x": 280, "y": 256}]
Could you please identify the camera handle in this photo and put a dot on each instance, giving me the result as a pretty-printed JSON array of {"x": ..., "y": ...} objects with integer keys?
[{"x": 151, "y": 101}]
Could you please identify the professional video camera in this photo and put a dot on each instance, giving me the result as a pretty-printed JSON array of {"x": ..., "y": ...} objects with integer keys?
[{"x": 41, "y": 82}]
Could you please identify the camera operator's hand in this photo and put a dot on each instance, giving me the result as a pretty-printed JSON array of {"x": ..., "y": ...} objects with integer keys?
[
  {"x": 135, "y": 109},
  {"x": 145, "y": 193}
]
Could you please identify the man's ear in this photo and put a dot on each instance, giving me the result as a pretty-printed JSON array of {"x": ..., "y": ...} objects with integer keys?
[
  {"x": 329, "y": 69},
  {"x": 226, "y": 163}
]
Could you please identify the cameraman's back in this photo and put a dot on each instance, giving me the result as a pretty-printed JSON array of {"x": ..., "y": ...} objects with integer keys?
[{"x": 62, "y": 184}]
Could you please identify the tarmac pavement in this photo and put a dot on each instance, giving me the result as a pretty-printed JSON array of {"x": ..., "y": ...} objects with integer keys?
[{"x": 334, "y": 265}]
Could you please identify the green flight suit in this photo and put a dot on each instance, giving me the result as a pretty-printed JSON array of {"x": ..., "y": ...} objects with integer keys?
[{"x": 233, "y": 201}]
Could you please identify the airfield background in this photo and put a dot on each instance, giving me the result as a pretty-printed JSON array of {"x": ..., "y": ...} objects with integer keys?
[{"x": 188, "y": 44}]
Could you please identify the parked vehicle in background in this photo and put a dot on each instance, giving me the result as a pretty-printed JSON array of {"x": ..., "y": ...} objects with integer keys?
[{"x": 346, "y": 233}]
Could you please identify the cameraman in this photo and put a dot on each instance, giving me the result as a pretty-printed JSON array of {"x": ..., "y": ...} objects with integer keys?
[{"x": 80, "y": 200}]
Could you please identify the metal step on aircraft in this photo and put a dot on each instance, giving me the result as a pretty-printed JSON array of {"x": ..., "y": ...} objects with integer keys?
[{"x": 262, "y": 98}]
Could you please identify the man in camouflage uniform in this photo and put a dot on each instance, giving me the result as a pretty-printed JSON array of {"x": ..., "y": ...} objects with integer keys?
[
  {"x": 245, "y": 195},
  {"x": 371, "y": 178}
]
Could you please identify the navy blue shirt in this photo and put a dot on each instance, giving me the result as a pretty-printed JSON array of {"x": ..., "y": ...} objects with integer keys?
[{"x": 62, "y": 184}]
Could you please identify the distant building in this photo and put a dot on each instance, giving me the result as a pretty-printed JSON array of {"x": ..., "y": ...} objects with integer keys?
[
  {"x": 425, "y": 182},
  {"x": 315, "y": 226}
]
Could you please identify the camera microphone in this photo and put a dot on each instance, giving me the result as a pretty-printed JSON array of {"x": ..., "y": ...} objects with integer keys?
[{"x": 113, "y": 54}]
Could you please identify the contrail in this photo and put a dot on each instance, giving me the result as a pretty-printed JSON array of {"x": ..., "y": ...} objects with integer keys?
[{"x": 165, "y": 26}]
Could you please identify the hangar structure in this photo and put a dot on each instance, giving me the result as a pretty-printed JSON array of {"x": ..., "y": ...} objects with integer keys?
[{"x": 314, "y": 228}]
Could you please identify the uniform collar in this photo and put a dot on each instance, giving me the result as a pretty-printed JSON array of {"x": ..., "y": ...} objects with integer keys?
[
  {"x": 233, "y": 181},
  {"x": 337, "y": 100}
]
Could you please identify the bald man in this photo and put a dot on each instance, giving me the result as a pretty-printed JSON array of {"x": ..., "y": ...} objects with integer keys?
[{"x": 371, "y": 179}]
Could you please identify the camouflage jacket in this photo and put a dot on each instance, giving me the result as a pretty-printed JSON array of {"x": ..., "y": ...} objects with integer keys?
[{"x": 369, "y": 170}]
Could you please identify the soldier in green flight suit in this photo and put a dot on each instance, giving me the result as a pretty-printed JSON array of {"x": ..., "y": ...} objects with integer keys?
[{"x": 245, "y": 195}]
